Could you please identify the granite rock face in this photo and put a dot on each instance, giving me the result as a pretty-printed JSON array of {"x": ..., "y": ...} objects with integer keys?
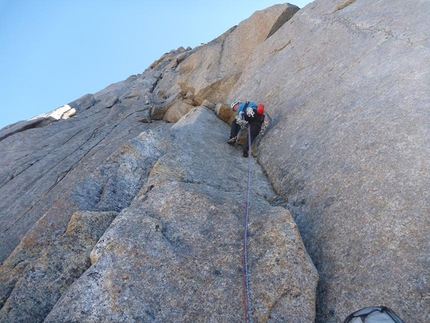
[
  {"x": 113, "y": 213},
  {"x": 127, "y": 204},
  {"x": 174, "y": 254},
  {"x": 348, "y": 87}
]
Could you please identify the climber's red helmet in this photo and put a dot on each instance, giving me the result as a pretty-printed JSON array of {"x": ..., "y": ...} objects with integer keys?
[{"x": 260, "y": 108}]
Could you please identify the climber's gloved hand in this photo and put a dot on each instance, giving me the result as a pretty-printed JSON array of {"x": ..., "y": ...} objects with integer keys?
[
  {"x": 250, "y": 112},
  {"x": 240, "y": 117},
  {"x": 242, "y": 123},
  {"x": 240, "y": 120}
]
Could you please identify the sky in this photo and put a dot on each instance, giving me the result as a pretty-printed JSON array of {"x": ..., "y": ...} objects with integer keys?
[{"x": 52, "y": 52}]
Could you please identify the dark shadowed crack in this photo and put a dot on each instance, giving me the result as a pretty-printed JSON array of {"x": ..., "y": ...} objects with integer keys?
[{"x": 283, "y": 18}]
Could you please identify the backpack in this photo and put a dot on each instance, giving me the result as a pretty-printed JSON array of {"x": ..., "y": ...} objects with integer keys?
[
  {"x": 258, "y": 118},
  {"x": 375, "y": 314},
  {"x": 246, "y": 105}
]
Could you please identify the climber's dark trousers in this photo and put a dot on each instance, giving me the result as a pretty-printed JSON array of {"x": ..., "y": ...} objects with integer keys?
[
  {"x": 255, "y": 130},
  {"x": 234, "y": 129}
]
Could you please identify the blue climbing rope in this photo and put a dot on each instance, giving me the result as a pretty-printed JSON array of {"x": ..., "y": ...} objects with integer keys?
[{"x": 245, "y": 272}]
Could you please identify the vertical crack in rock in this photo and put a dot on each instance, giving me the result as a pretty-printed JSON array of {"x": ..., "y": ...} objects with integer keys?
[{"x": 285, "y": 16}]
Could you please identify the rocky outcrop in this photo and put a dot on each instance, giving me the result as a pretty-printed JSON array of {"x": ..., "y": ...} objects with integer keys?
[
  {"x": 346, "y": 152},
  {"x": 213, "y": 69},
  {"x": 174, "y": 254}
]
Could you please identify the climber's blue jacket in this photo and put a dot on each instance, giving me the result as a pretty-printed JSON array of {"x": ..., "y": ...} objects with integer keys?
[{"x": 242, "y": 107}]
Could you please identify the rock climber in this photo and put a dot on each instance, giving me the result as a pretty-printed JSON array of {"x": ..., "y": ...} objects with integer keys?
[{"x": 248, "y": 113}]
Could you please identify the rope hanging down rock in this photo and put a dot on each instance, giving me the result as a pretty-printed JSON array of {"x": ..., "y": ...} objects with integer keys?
[{"x": 245, "y": 273}]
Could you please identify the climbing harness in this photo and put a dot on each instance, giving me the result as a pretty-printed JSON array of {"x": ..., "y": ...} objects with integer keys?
[{"x": 245, "y": 276}]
